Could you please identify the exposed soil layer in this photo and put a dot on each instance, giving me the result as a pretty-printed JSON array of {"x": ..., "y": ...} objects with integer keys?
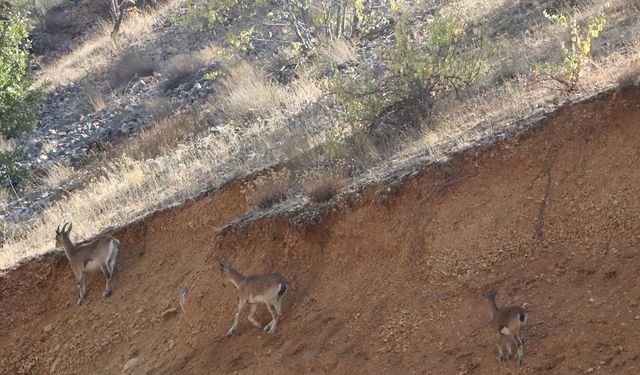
[{"x": 549, "y": 218}]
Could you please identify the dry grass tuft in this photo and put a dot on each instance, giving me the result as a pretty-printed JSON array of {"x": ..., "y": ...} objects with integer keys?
[
  {"x": 130, "y": 65},
  {"x": 95, "y": 98},
  {"x": 630, "y": 76},
  {"x": 179, "y": 68},
  {"x": 164, "y": 135},
  {"x": 267, "y": 191},
  {"x": 251, "y": 95},
  {"x": 322, "y": 188},
  {"x": 57, "y": 174},
  {"x": 334, "y": 53}
]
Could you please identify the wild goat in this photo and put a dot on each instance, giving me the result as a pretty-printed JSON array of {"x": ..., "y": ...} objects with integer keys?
[
  {"x": 508, "y": 321},
  {"x": 268, "y": 288},
  {"x": 101, "y": 253}
]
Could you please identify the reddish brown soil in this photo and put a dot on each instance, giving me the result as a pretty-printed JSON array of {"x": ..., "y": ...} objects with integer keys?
[{"x": 550, "y": 218}]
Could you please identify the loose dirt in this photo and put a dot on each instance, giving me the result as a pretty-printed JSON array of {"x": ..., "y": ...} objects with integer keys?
[{"x": 378, "y": 286}]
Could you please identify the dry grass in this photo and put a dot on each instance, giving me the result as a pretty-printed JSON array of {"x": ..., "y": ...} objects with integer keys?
[
  {"x": 94, "y": 55},
  {"x": 130, "y": 65},
  {"x": 267, "y": 191},
  {"x": 322, "y": 187},
  {"x": 95, "y": 98},
  {"x": 334, "y": 53},
  {"x": 135, "y": 186},
  {"x": 57, "y": 174},
  {"x": 163, "y": 136},
  {"x": 251, "y": 95}
]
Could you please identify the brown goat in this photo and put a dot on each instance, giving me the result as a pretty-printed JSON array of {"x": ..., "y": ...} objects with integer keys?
[
  {"x": 509, "y": 322},
  {"x": 268, "y": 288}
]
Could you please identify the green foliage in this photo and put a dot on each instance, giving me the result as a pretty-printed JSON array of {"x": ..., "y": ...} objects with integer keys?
[
  {"x": 419, "y": 70},
  {"x": 577, "y": 54},
  {"x": 292, "y": 22},
  {"x": 10, "y": 172},
  {"x": 17, "y": 97}
]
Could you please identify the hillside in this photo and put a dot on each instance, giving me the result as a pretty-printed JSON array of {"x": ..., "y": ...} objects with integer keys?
[
  {"x": 392, "y": 159},
  {"x": 548, "y": 217}
]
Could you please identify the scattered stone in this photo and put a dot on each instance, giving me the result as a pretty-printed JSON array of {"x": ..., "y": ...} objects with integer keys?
[
  {"x": 130, "y": 365},
  {"x": 169, "y": 313},
  {"x": 48, "y": 328}
]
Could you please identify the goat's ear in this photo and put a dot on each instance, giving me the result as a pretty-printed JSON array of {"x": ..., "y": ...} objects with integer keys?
[
  {"x": 230, "y": 262},
  {"x": 221, "y": 266}
]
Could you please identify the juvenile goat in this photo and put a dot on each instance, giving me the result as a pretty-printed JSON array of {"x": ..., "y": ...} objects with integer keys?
[
  {"x": 99, "y": 253},
  {"x": 509, "y": 323},
  {"x": 268, "y": 288}
]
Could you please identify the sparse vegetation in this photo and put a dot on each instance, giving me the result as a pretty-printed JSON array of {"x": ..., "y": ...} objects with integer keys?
[
  {"x": 422, "y": 69},
  {"x": 577, "y": 53},
  {"x": 130, "y": 65},
  {"x": 267, "y": 191},
  {"x": 11, "y": 174},
  {"x": 322, "y": 187}
]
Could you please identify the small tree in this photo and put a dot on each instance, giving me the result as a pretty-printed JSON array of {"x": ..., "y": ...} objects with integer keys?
[
  {"x": 418, "y": 71},
  {"x": 576, "y": 54},
  {"x": 18, "y": 98}
]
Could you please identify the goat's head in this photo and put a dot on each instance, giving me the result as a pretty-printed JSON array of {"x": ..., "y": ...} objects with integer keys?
[
  {"x": 224, "y": 267},
  {"x": 490, "y": 294},
  {"x": 63, "y": 233}
]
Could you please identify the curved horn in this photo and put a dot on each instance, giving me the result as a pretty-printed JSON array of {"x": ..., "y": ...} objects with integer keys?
[
  {"x": 58, "y": 229},
  {"x": 69, "y": 229},
  {"x": 64, "y": 227}
]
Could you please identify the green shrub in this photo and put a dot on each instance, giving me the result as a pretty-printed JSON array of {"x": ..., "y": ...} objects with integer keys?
[
  {"x": 576, "y": 54},
  {"x": 10, "y": 173},
  {"x": 17, "y": 96},
  {"x": 418, "y": 71}
]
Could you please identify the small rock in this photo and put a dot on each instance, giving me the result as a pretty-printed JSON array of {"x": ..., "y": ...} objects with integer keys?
[
  {"x": 48, "y": 328},
  {"x": 133, "y": 362},
  {"x": 55, "y": 365},
  {"x": 169, "y": 313}
]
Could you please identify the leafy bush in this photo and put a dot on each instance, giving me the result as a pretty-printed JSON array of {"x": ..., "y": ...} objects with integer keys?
[
  {"x": 577, "y": 54},
  {"x": 17, "y": 97},
  {"x": 10, "y": 173},
  {"x": 298, "y": 23},
  {"x": 419, "y": 70}
]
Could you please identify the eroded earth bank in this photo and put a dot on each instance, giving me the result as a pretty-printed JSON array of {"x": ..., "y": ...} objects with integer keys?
[{"x": 381, "y": 283}]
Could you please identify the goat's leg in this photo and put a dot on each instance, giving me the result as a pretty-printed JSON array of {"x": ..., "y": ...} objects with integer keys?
[
  {"x": 498, "y": 343},
  {"x": 278, "y": 307},
  {"x": 520, "y": 349},
  {"x": 271, "y": 327},
  {"x": 107, "y": 274},
  {"x": 241, "y": 305},
  {"x": 81, "y": 288},
  {"x": 253, "y": 320}
]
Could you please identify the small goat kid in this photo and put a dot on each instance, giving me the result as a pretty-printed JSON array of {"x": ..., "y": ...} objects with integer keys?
[
  {"x": 509, "y": 323},
  {"x": 101, "y": 253},
  {"x": 268, "y": 288}
]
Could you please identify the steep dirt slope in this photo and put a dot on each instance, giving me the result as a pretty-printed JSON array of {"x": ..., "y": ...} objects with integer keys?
[{"x": 393, "y": 287}]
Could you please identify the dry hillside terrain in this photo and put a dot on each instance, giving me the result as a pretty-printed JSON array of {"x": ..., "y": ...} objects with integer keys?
[{"x": 380, "y": 283}]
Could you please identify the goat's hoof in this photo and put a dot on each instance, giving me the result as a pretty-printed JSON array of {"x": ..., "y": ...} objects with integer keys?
[
  {"x": 257, "y": 325},
  {"x": 231, "y": 331},
  {"x": 267, "y": 327},
  {"x": 80, "y": 301},
  {"x": 107, "y": 293},
  {"x": 271, "y": 331},
  {"x": 520, "y": 361}
]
